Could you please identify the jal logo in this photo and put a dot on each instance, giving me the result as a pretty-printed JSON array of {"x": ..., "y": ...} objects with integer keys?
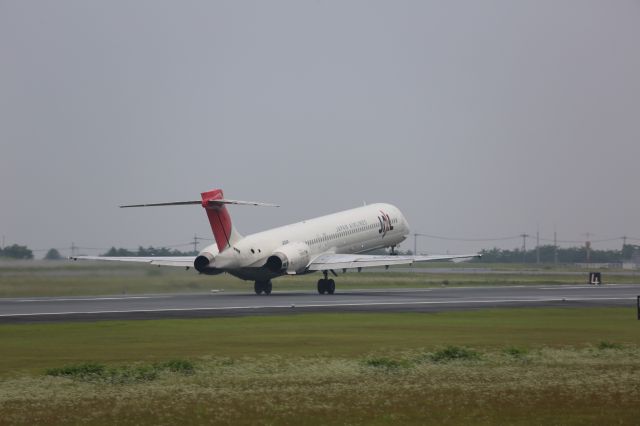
[{"x": 385, "y": 223}]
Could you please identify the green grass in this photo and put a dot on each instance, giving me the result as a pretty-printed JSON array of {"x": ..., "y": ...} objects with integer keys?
[
  {"x": 31, "y": 279},
  {"x": 327, "y": 335},
  {"x": 552, "y": 388},
  {"x": 454, "y": 353},
  {"x": 507, "y": 366},
  {"x": 100, "y": 373}
]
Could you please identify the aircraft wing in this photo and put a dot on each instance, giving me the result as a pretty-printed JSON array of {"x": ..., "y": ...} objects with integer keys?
[
  {"x": 341, "y": 261},
  {"x": 184, "y": 261}
]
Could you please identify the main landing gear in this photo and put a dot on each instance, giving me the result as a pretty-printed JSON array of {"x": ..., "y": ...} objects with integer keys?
[
  {"x": 262, "y": 287},
  {"x": 326, "y": 285}
]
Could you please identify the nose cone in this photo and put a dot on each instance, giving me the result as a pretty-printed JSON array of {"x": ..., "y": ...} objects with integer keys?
[{"x": 405, "y": 224}]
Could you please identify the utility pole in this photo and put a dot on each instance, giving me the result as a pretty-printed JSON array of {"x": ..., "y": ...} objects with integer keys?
[
  {"x": 415, "y": 244},
  {"x": 538, "y": 245},
  {"x": 524, "y": 247},
  {"x": 2, "y": 243},
  {"x": 555, "y": 247},
  {"x": 587, "y": 246},
  {"x": 624, "y": 242},
  {"x": 195, "y": 243}
]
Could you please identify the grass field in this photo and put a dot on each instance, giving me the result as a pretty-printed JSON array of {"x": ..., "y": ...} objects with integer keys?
[
  {"x": 86, "y": 278},
  {"x": 507, "y": 366}
]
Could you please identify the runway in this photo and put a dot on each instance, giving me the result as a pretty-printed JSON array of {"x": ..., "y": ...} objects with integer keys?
[{"x": 155, "y": 306}]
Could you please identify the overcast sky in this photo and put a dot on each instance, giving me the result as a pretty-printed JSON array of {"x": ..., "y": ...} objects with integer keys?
[{"x": 479, "y": 119}]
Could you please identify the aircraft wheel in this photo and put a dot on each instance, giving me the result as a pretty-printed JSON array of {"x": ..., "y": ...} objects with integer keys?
[
  {"x": 322, "y": 286},
  {"x": 267, "y": 286},
  {"x": 331, "y": 286},
  {"x": 258, "y": 287}
]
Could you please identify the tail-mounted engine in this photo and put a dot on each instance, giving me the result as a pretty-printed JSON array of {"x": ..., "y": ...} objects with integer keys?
[
  {"x": 289, "y": 259},
  {"x": 204, "y": 262}
]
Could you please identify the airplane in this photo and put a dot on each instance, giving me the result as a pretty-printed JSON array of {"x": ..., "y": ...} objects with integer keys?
[{"x": 328, "y": 243}]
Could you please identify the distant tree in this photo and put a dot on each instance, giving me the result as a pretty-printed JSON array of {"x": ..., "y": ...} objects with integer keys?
[
  {"x": 547, "y": 255},
  {"x": 16, "y": 252},
  {"x": 628, "y": 250},
  {"x": 161, "y": 251},
  {"x": 147, "y": 252},
  {"x": 120, "y": 252},
  {"x": 53, "y": 254}
]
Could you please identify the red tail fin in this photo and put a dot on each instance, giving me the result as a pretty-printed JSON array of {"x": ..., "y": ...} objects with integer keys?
[{"x": 219, "y": 219}]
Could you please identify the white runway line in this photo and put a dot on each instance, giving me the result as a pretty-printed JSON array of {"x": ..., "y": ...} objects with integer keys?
[
  {"x": 72, "y": 299},
  {"x": 569, "y": 287},
  {"x": 584, "y": 286},
  {"x": 440, "y": 302}
]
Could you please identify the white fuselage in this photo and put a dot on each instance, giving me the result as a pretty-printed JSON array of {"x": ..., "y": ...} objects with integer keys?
[{"x": 351, "y": 231}]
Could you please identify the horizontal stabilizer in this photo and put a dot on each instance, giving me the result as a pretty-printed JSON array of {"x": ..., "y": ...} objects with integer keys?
[
  {"x": 210, "y": 203},
  {"x": 184, "y": 261}
]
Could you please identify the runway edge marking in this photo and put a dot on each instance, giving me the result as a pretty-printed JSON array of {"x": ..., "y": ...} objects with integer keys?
[{"x": 442, "y": 302}]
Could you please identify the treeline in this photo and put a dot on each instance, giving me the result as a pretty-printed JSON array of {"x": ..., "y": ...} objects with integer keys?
[
  {"x": 16, "y": 252},
  {"x": 145, "y": 252},
  {"x": 564, "y": 255},
  {"x": 494, "y": 255}
]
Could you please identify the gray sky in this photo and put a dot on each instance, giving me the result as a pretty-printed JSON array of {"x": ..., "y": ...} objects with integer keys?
[{"x": 479, "y": 119}]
